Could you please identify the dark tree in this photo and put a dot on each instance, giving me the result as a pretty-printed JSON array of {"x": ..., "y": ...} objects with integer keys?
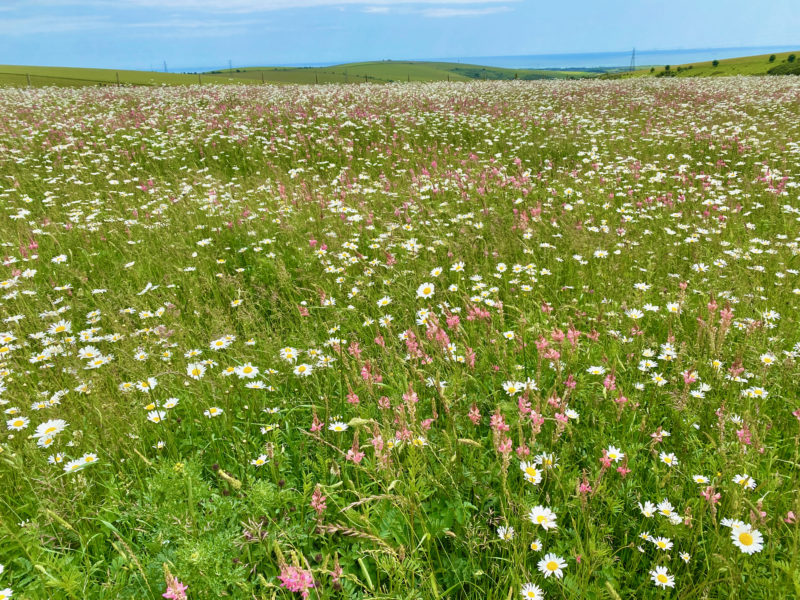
[
  {"x": 715, "y": 63},
  {"x": 771, "y": 58}
]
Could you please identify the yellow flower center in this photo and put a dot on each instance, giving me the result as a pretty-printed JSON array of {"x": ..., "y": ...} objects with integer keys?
[
  {"x": 746, "y": 539},
  {"x": 552, "y": 566},
  {"x": 540, "y": 519},
  {"x": 661, "y": 578}
]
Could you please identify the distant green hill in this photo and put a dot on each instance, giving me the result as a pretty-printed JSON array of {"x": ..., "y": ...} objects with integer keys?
[
  {"x": 20, "y": 76},
  {"x": 370, "y": 72},
  {"x": 392, "y": 70},
  {"x": 779, "y": 63},
  {"x": 384, "y": 72}
]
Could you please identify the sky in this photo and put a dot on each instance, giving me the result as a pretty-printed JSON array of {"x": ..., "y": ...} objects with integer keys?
[{"x": 203, "y": 34}]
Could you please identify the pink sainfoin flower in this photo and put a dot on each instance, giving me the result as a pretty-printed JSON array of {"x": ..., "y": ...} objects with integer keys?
[
  {"x": 498, "y": 423},
  {"x": 610, "y": 382},
  {"x": 474, "y": 414},
  {"x": 316, "y": 425},
  {"x": 318, "y": 502},
  {"x": 296, "y": 579},
  {"x": 570, "y": 382},
  {"x": 710, "y": 495},
  {"x": 175, "y": 589},
  {"x": 354, "y": 454}
]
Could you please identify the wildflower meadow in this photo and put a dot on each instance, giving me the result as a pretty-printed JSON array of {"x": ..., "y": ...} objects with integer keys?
[{"x": 485, "y": 340}]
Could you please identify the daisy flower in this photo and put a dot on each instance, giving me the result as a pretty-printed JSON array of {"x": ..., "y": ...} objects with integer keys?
[
  {"x": 747, "y": 539},
  {"x": 745, "y": 481},
  {"x": 615, "y": 454},
  {"x": 668, "y": 459},
  {"x": 17, "y": 423},
  {"x": 424, "y": 291},
  {"x": 552, "y": 564},
  {"x": 196, "y": 370},
  {"x": 531, "y": 591},
  {"x": 531, "y": 473},
  {"x": 539, "y": 515},
  {"x": 147, "y": 385},
  {"x": 648, "y": 509},
  {"x": 303, "y": 370},
  {"x": 212, "y": 412},
  {"x": 662, "y": 578},
  {"x": 156, "y": 416},
  {"x": 246, "y": 371},
  {"x": 505, "y": 533},
  {"x": 662, "y": 543}
]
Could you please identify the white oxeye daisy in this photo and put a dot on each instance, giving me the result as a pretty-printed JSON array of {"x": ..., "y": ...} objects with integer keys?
[
  {"x": 662, "y": 578},
  {"x": 747, "y": 539},
  {"x": 531, "y": 591},
  {"x": 425, "y": 290},
  {"x": 261, "y": 460},
  {"x": 552, "y": 564}
]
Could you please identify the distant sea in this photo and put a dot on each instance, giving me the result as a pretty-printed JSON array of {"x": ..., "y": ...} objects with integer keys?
[
  {"x": 588, "y": 60},
  {"x": 619, "y": 59}
]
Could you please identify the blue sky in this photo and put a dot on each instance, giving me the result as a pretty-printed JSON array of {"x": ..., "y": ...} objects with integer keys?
[{"x": 207, "y": 33}]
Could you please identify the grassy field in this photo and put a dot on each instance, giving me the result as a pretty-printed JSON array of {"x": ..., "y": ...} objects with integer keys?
[
  {"x": 745, "y": 65},
  {"x": 14, "y": 75},
  {"x": 484, "y": 340}
]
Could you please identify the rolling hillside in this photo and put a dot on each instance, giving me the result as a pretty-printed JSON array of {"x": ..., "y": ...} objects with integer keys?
[
  {"x": 385, "y": 71},
  {"x": 743, "y": 65},
  {"x": 20, "y": 76},
  {"x": 365, "y": 72}
]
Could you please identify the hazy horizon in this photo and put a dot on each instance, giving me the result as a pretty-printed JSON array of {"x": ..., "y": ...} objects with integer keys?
[{"x": 563, "y": 61}]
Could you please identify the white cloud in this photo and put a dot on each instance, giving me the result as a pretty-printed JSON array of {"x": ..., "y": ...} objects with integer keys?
[
  {"x": 36, "y": 25},
  {"x": 444, "y": 13},
  {"x": 260, "y": 6}
]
